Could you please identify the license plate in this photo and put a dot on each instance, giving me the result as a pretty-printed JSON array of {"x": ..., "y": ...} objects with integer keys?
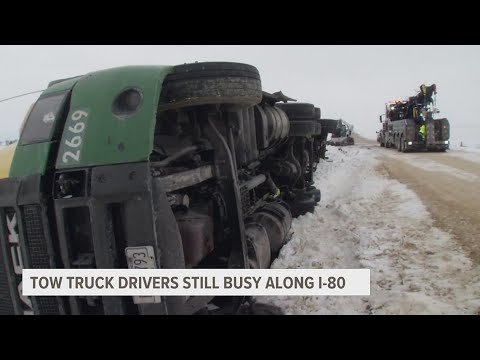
[{"x": 142, "y": 257}]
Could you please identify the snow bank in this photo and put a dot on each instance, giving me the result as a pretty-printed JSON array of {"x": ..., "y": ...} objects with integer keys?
[{"x": 368, "y": 221}]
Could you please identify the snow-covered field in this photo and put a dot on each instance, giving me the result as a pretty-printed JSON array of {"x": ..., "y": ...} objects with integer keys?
[
  {"x": 366, "y": 220},
  {"x": 469, "y": 154},
  {"x": 465, "y": 136}
]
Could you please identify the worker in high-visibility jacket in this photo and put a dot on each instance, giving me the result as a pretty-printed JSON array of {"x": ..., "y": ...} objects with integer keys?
[
  {"x": 423, "y": 89},
  {"x": 422, "y": 131}
]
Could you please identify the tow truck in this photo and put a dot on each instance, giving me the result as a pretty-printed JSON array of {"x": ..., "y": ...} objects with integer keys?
[{"x": 403, "y": 120}]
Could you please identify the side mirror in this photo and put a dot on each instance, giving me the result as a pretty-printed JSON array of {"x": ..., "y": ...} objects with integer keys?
[{"x": 380, "y": 118}]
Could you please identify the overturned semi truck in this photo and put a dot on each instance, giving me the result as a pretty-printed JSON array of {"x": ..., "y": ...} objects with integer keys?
[{"x": 191, "y": 166}]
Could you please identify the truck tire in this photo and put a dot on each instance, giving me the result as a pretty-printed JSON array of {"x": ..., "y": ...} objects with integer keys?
[
  {"x": 299, "y": 111},
  {"x": 302, "y": 129},
  {"x": 211, "y": 83}
]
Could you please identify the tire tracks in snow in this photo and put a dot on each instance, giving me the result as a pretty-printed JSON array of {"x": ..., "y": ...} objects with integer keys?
[{"x": 366, "y": 220}]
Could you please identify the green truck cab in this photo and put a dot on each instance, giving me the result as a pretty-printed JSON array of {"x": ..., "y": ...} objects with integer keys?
[{"x": 89, "y": 126}]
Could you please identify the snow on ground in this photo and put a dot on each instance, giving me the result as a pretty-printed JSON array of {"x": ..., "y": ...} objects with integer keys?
[
  {"x": 430, "y": 165},
  {"x": 463, "y": 134},
  {"x": 458, "y": 144},
  {"x": 365, "y": 220},
  {"x": 469, "y": 154}
]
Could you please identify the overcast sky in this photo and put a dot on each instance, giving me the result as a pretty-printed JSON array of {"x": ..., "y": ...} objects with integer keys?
[{"x": 349, "y": 82}]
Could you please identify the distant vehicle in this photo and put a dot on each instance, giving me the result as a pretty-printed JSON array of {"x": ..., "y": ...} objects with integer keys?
[
  {"x": 328, "y": 127},
  {"x": 342, "y": 134},
  {"x": 403, "y": 121}
]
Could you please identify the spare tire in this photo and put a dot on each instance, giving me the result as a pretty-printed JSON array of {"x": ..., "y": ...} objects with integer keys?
[
  {"x": 211, "y": 83},
  {"x": 297, "y": 111}
]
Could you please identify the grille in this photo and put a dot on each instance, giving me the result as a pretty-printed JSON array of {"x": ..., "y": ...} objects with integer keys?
[
  {"x": 36, "y": 243},
  {"x": 37, "y": 247}
]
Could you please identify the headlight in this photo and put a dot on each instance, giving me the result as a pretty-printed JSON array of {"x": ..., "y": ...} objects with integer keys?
[
  {"x": 410, "y": 143},
  {"x": 446, "y": 141}
]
